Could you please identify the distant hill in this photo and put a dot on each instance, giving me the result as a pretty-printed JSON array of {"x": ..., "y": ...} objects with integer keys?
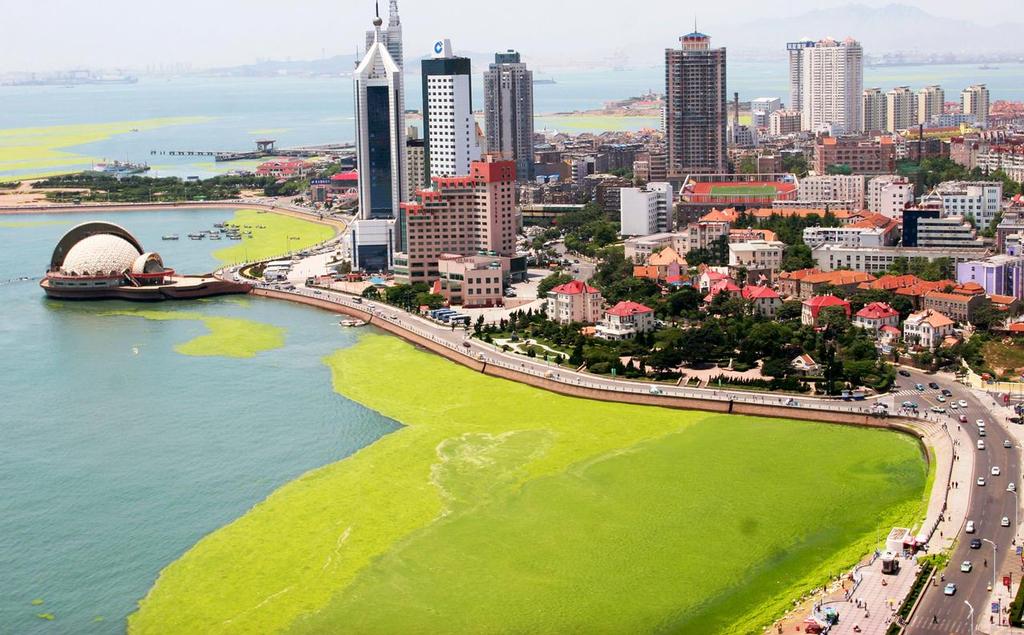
[
  {"x": 886, "y": 29},
  {"x": 331, "y": 66}
]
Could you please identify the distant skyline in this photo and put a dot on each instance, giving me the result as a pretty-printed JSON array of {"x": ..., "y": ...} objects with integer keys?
[{"x": 61, "y": 34}]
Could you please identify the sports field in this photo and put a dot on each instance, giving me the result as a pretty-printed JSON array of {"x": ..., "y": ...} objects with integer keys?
[
  {"x": 502, "y": 508},
  {"x": 726, "y": 191}
]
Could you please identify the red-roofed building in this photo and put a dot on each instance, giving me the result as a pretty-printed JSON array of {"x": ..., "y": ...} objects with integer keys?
[
  {"x": 875, "y": 315},
  {"x": 726, "y": 286},
  {"x": 625, "y": 320},
  {"x": 284, "y": 168},
  {"x": 764, "y": 300},
  {"x": 812, "y": 308},
  {"x": 574, "y": 301}
]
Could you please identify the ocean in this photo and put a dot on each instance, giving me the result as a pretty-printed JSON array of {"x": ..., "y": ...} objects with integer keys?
[
  {"x": 304, "y": 111},
  {"x": 118, "y": 453}
]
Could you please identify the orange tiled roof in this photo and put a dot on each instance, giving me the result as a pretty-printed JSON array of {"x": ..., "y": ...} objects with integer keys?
[
  {"x": 890, "y": 282},
  {"x": 799, "y": 274},
  {"x": 839, "y": 278},
  {"x": 728, "y": 215},
  {"x": 666, "y": 257}
]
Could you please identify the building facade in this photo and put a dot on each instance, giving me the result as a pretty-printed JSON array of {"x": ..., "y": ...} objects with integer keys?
[
  {"x": 645, "y": 210},
  {"x": 462, "y": 215},
  {"x": 449, "y": 128},
  {"x": 931, "y": 101},
  {"x": 832, "y": 86},
  {"x": 839, "y": 187},
  {"x": 900, "y": 111},
  {"x": 974, "y": 100},
  {"x": 874, "y": 110},
  {"x": 508, "y": 111},
  {"x": 574, "y": 301},
  {"x": 695, "y": 108},
  {"x": 889, "y": 195},
  {"x": 862, "y": 156}
]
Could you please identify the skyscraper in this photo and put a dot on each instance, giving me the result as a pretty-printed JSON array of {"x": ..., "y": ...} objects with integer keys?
[
  {"x": 380, "y": 154},
  {"x": 900, "y": 112},
  {"x": 390, "y": 36},
  {"x": 974, "y": 101},
  {"x": 930, "y": 102},
  {"x": 695, "y": 110},
  {"x": 796, "y": 72},
  {"x": 873, "y": 110},
  {"x": 449, "y": 128},
  {"x": 508, "y": 111},
  {"x": 832, "y": 85}
]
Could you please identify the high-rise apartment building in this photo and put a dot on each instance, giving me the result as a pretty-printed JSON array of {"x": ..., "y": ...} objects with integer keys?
[
  {"x": 508, "y": 111},
  {"x": 761, "y": 109},
  {"x": 460, "y": 215},
  {"x": 974, "y": 100},
  {"x": 832, "y": 85},
  {"x": 449, "y": 129},
  {"x": 874, "y": 110},
  {"x": 930, "y": 103},
  {"x": 796, "y": 72},
  {"x": 900, "y": 105},
  {"x": 783, "y": 122},
  {"x": 696, "y": 115}
]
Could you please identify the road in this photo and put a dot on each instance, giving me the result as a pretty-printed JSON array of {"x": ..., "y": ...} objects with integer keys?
[{"x": 939, "y": 613}]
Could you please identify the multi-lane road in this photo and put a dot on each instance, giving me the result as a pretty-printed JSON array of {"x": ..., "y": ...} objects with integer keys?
[{"x": 939, "y": 613}]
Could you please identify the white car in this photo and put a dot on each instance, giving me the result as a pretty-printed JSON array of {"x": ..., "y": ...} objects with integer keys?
[
  {"x": 963, "y": 403},
  {"x": 969, "y": 528},
  {"x": 1007, "y": 443},
  {"x": 1005, "y": 522},
  {"x": 965, "y": 566},
  {"x": 995, "y": 470},
  {"x": 981, "y": 481},
  {"x": 981, "y": 444},
  {"x": 1012, "y": 487},
  {"x": 980, "y": 422}
]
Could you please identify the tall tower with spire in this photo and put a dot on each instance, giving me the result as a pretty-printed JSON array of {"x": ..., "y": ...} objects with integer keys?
[{"x": 380, "y": 153}]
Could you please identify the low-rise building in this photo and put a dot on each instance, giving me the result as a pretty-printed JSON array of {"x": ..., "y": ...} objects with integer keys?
[
  {"x": 812, "y": 308},
  {"x": 471, "y": 281},
  {"x": 980, "y": 200},
  {"x": 574, "y": 301},
  {"x": 639, "y": 248},
  {"x": 827, "y": 281},
  {"x": 833, "y": 187},
  {"x": 765, "y": 301},
  {"x": 926, "y": 329},
  {"x": 958, "y": 306},
  {"x": 757, "y": 256},
  {"x": 875, "y": 315},
  {"x": 788, "y": 282},
  {"x": 889, "y": 195},
  {"x": 879, "y": 259},
  {"x": 862, "y": 155},
  {"x": 625, "y": 320},
  {"x": 805, "y": 364},
  {"x": 876, "y": 231},
  {"x": 284, "y": 168}
]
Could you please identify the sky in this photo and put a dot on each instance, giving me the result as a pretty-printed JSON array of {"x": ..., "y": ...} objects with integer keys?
[{"x": 60, "y": 34}]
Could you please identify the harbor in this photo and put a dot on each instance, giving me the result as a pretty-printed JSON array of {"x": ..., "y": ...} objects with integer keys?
[{"x": 265, "y": 148}]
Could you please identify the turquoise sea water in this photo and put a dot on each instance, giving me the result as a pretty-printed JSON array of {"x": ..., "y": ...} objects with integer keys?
[
  {"x": 117, "y": 453},
  {"x": 302, "y": 111}
]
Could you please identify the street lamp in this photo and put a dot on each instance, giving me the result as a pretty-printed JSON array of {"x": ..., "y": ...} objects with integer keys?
[
  {"x": 971, "y": 615},
  {"x": 993, "y": 585}
]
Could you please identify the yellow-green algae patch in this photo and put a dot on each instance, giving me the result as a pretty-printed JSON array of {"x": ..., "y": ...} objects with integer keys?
[
  {"x": 280, "y": 234},
  {"x": 16, "y": 224},
  {"x": 43, "y": 149},
  {"x": 502, "y": 508},
  {"x": 228, "y": 336}
]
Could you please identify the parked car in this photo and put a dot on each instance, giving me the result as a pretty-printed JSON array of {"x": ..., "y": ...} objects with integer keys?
[
  {"x": 1005, "y": 522},
  {"x": 904, "y": 372}
]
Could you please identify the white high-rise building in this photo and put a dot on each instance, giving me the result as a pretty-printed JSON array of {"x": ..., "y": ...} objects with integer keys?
[
  {"x": 900, "y": 105},
  {"x": 390, "y": 36},
  {"x": 449, "y": 128},
  {"x": 796, "y": 72},
  {"x": 762, "y": 108},
  {"x": 889, "y": 195},
  {"x": 874, "y": 110},
  {"x": 832, "y": 85},
  {"x": 645, "y": 210},
  {"x": 974, "y": 100},
  {"x": 931, "y": 101}
]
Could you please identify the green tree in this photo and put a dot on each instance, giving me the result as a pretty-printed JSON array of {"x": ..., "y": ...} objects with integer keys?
[{"x": 552, "y": 281}]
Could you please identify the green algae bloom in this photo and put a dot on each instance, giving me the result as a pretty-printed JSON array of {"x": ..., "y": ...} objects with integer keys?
[{"x": 228, "y": 336}]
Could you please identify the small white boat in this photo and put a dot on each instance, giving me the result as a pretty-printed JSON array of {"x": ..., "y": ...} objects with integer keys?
[{"x": 352, "y": 323}]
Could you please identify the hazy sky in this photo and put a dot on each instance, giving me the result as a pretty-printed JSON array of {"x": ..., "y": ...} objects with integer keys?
[{"x": 53, "y": 34}]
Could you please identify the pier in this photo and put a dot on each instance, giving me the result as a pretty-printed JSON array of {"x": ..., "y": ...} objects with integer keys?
[{"x": 264, "y": 148}]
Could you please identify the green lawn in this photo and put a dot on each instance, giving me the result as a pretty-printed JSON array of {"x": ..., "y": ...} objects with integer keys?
[
  {"x": 281, "y": 235},
  {"x": 742, "y": 190},
  {"x": 502, "y": 508}
]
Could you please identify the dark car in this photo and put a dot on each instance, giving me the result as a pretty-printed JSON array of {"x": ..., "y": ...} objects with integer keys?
[
  {"x": 947, "y": 392},
  {"x": 975, "y": 543},
  {"x": 905, "y": 373},
  {"x": 933, "y": 385}
]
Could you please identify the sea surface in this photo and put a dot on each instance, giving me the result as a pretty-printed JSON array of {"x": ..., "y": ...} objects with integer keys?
[
  {"x": 117, "y": 453},
  {"x": 305, "y": 111}
]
